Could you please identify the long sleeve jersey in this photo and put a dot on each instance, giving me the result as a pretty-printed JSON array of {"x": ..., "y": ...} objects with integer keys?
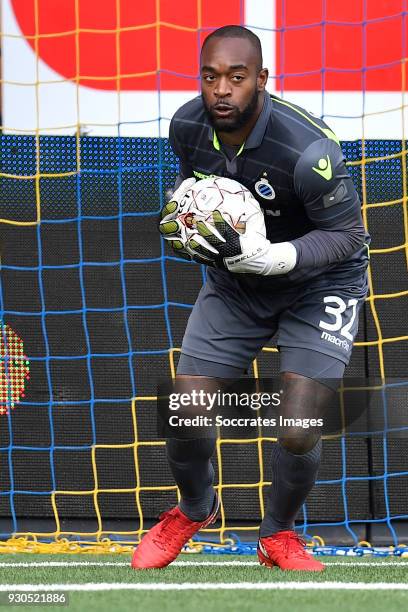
[{"x": 294, "y": 166}]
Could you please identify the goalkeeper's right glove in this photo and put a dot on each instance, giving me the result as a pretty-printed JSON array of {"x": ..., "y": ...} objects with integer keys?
[
  {"x": 174, "y": 232},
  {"x": 169, "y": 226}
]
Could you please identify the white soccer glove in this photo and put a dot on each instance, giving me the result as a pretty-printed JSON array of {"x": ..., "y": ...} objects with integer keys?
[
  {"x": 248, "y": 253},
  {"x": 169, "y": 226},
  {"x": 174, "y": 232}
]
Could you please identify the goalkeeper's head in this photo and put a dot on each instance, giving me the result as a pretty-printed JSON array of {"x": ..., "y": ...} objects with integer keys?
[{"x": 232, "y": 78}]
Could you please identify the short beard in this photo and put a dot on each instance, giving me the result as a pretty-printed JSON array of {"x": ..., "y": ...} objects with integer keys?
[{"x": 239, "y": 118}]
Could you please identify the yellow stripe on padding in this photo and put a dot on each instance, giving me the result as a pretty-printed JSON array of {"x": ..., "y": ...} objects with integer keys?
[
  {"x": 217, "y": 145},
  {"x": 326, "y": 131},
  {"x": 216, "y": 142}
]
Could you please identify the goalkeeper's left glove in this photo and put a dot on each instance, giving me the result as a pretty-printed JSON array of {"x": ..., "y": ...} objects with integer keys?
[
  {"x": 248, "y": 253},
  {"x": 192, "y": 249}
]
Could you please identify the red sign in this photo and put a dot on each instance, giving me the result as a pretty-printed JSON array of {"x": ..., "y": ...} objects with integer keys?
[
  {"x": 334, "y": 45},
  {"x": 108, "y": 51},
  {"x": 154, "y": 44}
]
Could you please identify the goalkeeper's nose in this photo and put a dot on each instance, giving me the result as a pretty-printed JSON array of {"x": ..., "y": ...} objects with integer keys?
[{"x": 223, "y": 90}]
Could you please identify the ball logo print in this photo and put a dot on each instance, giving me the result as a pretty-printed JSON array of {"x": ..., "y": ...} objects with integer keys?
[{"x": 14, "y": 369}]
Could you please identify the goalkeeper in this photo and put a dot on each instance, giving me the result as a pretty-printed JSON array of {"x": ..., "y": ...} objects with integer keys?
[{"x": 307, "y": 282}]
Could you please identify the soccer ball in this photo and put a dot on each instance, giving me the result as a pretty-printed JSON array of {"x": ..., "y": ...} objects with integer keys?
[{"x": 234, "y": 201}]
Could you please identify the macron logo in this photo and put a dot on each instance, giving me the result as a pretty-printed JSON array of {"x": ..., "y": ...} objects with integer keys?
[
  {"x": 334, "y": 340},
  {"x": 324, "y": 169}
]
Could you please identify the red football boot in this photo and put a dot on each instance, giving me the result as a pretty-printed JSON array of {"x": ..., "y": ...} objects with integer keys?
[
  {"x": 164, "y": 541},
  {"x": 286, "y": 550}
]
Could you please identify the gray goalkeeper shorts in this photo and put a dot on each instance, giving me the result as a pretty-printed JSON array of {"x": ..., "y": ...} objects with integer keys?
[{"x": 231, "y": 322}]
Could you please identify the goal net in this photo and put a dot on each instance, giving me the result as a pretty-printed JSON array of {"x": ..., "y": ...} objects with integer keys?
[{"x": 93, "y": 307}]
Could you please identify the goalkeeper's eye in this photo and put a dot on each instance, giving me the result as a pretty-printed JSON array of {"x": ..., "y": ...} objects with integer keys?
[
  {"x": 209, "y": 78},
  {"x": 238, "y": 78}
]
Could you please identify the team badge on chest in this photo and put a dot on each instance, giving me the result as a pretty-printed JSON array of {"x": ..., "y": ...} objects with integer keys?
[{"x": 264, "y": 189}]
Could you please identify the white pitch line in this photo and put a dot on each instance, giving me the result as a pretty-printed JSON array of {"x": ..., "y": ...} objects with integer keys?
[
  {"x": 365, "y": 563},
  {"x": 210, "y": 586},
  {"x": 63, "y": 563},
  {"x": 193, "y": 563},
  {"x": 256, "y": 563}
]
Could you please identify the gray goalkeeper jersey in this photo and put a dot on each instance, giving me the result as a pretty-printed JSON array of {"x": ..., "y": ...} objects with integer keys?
[{"x": 293, "y": 165}]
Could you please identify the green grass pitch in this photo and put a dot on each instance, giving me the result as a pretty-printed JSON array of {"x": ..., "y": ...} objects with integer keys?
[{"x": 204, "y": 583}]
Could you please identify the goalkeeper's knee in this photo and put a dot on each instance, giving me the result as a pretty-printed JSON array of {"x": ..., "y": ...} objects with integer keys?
[{"x": 183, "y": 451}]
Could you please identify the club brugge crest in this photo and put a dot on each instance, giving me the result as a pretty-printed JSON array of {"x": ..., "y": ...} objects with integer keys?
[{"x": 265, "y": 189}]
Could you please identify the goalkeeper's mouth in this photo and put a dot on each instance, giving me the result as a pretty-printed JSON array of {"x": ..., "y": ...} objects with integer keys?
[{"x": 222, "y": 110}]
